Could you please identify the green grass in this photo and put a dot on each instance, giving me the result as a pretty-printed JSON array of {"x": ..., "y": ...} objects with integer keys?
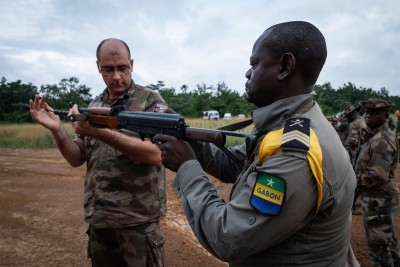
[
  {"x": 37, "y": 137},
  {"x": 27, "y": 136}
]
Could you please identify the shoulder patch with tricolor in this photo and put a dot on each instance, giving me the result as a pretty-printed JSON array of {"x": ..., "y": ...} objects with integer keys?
[
  {"x": 268, "y": 194},
  {"x": 296, "y": 134}
]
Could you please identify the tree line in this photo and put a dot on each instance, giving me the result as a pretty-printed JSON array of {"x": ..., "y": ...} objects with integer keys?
[{"x": 189, "y": 102}]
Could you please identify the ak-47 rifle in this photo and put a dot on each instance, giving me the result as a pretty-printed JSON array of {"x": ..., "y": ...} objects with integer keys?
[{"x": 149, "y": 124}]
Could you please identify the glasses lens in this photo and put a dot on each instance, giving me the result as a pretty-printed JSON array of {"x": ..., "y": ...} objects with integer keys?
[{"x": 123, "y": 69}]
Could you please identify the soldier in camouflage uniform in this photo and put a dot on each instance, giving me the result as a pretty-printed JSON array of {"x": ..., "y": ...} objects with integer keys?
[
  {"x": 391, "y": 123},
  {"x": 375, "y": 178},
  {"x": 356, "y": 135},
  {"x": 397, "y": 130},
  {"x": 124, "y": 191},
  {"x": 349, "y": 115}
]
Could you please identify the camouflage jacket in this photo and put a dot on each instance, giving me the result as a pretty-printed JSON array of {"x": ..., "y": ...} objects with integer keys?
[
  {"x": 343, "y": 129},
  {"x": 356, "y": 133},
  {"x": 119, "y": 192},
  {"x": 397, "y": 131},
  {"x": 376, "y": 164}
]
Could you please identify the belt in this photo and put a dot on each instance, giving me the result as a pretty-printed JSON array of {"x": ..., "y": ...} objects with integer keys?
[{"x": 145, "y": 227}]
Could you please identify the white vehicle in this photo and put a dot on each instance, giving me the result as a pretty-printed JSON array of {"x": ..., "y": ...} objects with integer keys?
[
  {"x": 227, "y": 116},
  {"x": 241, "y": 116},
  {"x": 211, "y": 115}
]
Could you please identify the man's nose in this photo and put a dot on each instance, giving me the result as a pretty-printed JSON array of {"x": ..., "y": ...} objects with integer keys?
[
  {"x": 248, "y": 74},
  {"x": 116, "y": 74}
]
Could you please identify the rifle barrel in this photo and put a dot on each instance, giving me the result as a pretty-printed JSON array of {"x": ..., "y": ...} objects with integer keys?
[{"x": 62, "y": 113}]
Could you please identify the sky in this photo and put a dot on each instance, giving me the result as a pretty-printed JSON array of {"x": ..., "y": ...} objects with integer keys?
[{"x": 195, "y": 41}]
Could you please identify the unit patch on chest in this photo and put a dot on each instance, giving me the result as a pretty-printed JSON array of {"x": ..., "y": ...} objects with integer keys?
[{"x": 268, "y": 194}]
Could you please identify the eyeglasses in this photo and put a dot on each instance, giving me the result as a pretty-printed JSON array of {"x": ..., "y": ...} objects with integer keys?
[{"x": 122, "y": 69}]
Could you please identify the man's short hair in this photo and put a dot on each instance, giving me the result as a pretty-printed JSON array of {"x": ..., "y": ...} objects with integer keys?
[
  {"x": 108, "y": 39},
  {"x": 304, "y": 41}
]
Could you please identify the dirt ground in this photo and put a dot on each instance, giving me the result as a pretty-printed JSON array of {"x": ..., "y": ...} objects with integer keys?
[{"x": 41, "y": 216}]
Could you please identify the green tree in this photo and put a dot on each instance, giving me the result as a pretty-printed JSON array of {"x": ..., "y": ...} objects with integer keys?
[
  {"x": 11, "y": 96},
  {"x": 68, "y": 92}
]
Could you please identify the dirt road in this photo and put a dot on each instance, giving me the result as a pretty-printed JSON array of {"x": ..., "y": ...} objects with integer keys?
[{"x": 41, "y": 216}]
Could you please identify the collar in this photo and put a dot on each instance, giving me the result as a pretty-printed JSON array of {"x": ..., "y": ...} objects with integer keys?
[
  {"x": 105, "y": 95},
  {"x": 273, "y": 116},
  {"x": 383, "y": 127}
]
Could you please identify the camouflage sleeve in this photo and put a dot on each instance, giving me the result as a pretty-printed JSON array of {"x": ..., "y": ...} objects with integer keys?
[
  {"x": 352, "y": 139},
  {"x": 79, "y": 140},
  {"x": 155, "y": 102},
  {"x": 378, "y": 168}
]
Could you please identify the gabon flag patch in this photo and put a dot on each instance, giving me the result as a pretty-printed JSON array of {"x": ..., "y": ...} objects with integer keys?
[{"x": 268, "y": 194}]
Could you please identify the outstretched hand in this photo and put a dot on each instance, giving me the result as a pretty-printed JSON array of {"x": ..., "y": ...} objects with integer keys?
[
  {"x": 174, "y": 152},
  {"x": 43, "y": 113}
]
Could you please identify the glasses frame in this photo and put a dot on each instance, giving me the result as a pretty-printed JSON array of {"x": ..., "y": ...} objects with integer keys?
[{"x": 109, "y": 71}]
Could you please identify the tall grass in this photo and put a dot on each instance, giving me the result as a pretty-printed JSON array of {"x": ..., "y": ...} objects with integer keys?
[
  {"x": 37, "y": 137},
  {"x": 28, "y": 136}
]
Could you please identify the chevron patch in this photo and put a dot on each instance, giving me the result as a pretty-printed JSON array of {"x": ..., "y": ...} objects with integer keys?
[{"x": 296, "y": 134}]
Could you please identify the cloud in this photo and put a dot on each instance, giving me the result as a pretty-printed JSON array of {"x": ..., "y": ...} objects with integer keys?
[{"x": 193, "y": 42}]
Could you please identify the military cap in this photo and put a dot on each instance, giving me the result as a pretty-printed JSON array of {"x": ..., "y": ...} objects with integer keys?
[
  {"x": 349, "y": 110},
  {"x": 377, "y": 103}
]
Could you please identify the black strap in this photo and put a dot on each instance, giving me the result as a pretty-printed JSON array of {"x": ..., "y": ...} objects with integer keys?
[
  {"x": 250, "y": 144},
  {"x": 236, "y": 126}
]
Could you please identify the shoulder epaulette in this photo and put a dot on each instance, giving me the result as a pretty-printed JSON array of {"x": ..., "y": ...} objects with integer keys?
[{"x": 296, "y": 134}]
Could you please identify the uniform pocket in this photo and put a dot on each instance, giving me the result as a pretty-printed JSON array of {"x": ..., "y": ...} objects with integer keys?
[{"x": 156, "y": 248}]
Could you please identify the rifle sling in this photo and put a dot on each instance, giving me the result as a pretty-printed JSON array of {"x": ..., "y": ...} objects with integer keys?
[{"x": 236, "y": 126}]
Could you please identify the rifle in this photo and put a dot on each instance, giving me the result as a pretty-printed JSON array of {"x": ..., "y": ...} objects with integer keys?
[{"x": 149, "y": 124}]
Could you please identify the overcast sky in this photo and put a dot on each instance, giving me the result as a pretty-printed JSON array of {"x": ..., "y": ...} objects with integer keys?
[{"x": 195, "y": 41}]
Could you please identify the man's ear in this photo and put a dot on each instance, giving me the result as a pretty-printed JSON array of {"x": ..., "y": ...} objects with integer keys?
[
  {"x": 98, "y": 66},
  {"x": 287, "y": 65}
]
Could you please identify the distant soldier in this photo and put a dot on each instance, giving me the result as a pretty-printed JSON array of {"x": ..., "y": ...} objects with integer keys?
[
  {"x": 349, "y": 115},
  {"x": 333, "y": 120},
  {"x": 375, "y": 169},
  {"x": 356, "y": 135},
  {"x": 391, "y": 123},
  {"x": 397, "y": 131},
  {"x": 353, "y": 145}
]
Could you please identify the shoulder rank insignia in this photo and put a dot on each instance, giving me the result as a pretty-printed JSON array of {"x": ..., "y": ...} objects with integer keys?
[
  {"x": 268, "y": 194},
  {"x": 296, "y": 134}
]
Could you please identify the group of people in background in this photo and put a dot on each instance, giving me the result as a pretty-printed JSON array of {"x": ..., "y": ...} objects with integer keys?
[{"x": 371, "y": 137}]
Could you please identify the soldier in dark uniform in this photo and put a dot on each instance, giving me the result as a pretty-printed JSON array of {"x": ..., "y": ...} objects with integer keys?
[
  {"x": 375, "y": 170},
  {"x": 291, "y": 205}
]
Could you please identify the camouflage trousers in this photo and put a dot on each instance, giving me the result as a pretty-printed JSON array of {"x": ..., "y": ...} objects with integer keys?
[
  {"x": 139, "y": 246},
  {"x": 382, "y": 242}
]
